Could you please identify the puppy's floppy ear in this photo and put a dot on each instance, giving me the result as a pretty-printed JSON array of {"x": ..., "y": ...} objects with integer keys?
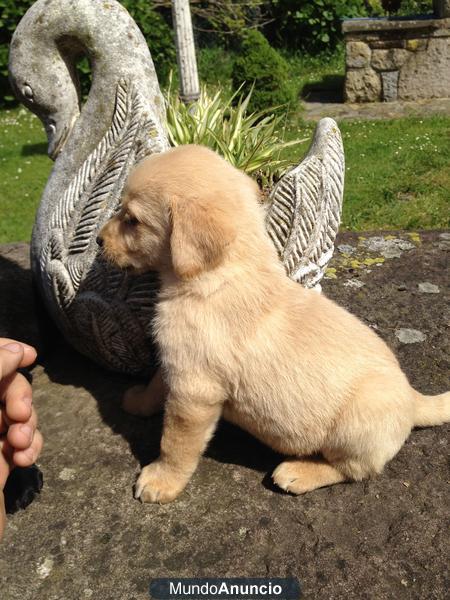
[{"x": 201, "y": 232}]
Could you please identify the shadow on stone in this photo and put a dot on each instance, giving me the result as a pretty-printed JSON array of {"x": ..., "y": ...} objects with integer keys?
[
  {"x": 23, "y": 317},
  {"x": 230, "y": 444},
  {"x": 330, "y": 89},
  {"x": 21, "y": 488}
]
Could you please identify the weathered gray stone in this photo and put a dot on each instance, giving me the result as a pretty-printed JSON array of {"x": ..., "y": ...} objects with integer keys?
[
  {"x": 95, "y": 146},
  {"x": 418, "y": 48},
  {"x": 362, "y": 85},
  {"x": 388, "y": 248},
  {"x": 354, "y": 283},
  {"x": 357, "y": 55},
  {"x": 87, "y": 538},
  {"x": 410, "y": 336},
  {"x": 346, "y": 249},
  {"x": 428, "y": 288},
  {"x": 106, "y": 313},
  {"x": 389, "y": 80},
  {"x": 375, "y": 26},
  {"x": 427, "y": 74},
  {"x": 388, "y": 60}
]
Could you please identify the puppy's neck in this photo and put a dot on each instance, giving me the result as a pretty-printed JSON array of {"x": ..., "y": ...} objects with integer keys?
[
  {"x": 203, "y": 285},
  {"x": 251, "y": 272}
]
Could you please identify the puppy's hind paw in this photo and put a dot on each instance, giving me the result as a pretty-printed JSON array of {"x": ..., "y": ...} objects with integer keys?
[
  {"x": 286, "y": 478},
  {"x": 304, "y": 475},
  {"x": 158, "y": 483}
]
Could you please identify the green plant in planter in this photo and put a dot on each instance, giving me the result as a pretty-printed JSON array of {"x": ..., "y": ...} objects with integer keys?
[{"x": 251, "y": 141}]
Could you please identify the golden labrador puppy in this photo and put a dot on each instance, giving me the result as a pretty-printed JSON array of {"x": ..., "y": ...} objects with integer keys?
[{"x": 238, "y": 338}]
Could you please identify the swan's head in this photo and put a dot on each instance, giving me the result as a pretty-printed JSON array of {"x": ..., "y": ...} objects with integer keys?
[{"x": 46, "y": 86}]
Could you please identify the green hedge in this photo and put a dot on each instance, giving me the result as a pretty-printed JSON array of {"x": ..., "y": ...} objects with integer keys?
[
  {"x": 316, "y": 26},
  {"x": 155, "y": 29},
  {"x": 311, "y": 26},
  {"x": 260, "y": 66}
]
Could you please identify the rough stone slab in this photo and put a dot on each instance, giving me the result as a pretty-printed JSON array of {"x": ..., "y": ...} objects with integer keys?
[
  {"x": 398, "y": 24},
  {"x": 428, "y": 288},
  {"x": 405, "y": 335},
  {"x": 376, "y": 110},
  {"x": 85, "y": 536},
  {"x": 418, "y": 77},
  {"x": 388, "y": 60},
  {"x": 362, "y": 85},
  {"x": 357, "y": 55},
  {"x": 389, "y": 81}
]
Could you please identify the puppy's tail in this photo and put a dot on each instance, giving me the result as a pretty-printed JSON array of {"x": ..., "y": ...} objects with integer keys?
[{"x": 431, "y": 410}]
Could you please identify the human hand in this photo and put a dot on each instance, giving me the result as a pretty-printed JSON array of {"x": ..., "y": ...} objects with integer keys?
[{"x": 20, "y": 441}]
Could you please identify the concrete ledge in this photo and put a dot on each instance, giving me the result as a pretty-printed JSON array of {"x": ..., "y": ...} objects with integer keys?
[
  {"x": 85, "y": 537},
  {"x": 395, "y": 24}
]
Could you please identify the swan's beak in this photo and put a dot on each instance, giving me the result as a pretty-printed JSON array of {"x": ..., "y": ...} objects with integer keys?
[{"x": 57, "y": 136}]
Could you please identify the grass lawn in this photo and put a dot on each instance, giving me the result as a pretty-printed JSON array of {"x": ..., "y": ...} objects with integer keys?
[
  {"x": 24, "y": 169},
  {"x": 398, "y": 172}
]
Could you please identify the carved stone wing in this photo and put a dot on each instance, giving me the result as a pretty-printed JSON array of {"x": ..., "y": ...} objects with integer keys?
[{"x": 305, "y": 207}]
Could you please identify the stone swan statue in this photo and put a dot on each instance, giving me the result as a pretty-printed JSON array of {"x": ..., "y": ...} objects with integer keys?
[{"x": 103, "y": 312}]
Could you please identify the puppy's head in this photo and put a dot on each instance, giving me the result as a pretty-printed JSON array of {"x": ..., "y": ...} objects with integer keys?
[{"x": 178, "y": 212}]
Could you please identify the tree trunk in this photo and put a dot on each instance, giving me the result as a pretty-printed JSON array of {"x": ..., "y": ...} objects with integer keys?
[{"x": 184, "y": 40}]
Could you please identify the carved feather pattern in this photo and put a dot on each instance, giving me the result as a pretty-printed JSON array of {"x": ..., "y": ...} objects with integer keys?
[
  {"x": 107, "y": 314},
  {"x": 107, "y": 177},
  {"x": 306, "y": 204},
  {"x": 102, "y": 308}
]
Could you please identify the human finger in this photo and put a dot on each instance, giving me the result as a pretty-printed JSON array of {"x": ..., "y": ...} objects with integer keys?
[
  {"x": 20, "y": 435},
  {"x": 6, "y": 452},
  {"x": 29, "y": 352},
  {"x": 25, "y": 458},
  {"x": 17, "y": 396},
  {"x": 11, "y": 356}
]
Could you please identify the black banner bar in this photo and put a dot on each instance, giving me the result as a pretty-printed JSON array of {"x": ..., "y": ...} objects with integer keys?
[{"x": 227, "y": 588}]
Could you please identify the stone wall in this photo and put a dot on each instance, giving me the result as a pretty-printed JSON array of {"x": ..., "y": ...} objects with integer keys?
[{"x": 397, "y": 59}]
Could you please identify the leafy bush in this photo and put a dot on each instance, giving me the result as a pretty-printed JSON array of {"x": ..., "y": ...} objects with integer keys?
[
  {"x": 260, "y": 68},
  {"x": 416, "y": 7},
  {"x": 249, "y": 141},
  {"x": 156, "y": 31},
  {"x": 311, "y": 25},
  {"x": 215, "y": 64},
  {"x": 11, "y": 11}
]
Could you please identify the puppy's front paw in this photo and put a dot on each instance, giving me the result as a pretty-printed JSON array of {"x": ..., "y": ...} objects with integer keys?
[{"x": 158, "y": 483}]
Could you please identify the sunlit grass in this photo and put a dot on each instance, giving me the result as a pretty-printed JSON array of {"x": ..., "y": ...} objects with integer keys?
[{"x": 397, "y": 172}]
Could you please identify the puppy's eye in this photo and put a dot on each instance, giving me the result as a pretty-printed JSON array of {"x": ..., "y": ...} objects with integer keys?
[{"x": 130, "y": 220}]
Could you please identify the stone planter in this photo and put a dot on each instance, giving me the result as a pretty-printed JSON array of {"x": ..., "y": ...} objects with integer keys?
[{"x": 397, "y": 59}]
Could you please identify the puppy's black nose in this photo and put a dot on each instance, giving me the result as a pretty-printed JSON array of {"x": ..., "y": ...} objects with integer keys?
[{"x": 99, "y": 241}]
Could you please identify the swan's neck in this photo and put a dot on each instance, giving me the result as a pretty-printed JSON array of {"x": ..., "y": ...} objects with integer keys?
[{"x": 117, "y": 51}]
